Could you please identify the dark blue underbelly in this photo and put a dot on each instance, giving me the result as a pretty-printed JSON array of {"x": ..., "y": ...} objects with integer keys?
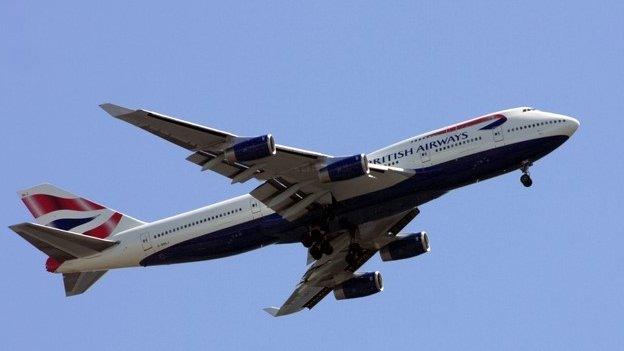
[{"x": 427, "y": 184}]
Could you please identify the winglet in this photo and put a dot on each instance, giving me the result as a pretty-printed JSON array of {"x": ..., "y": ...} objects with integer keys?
[
  {"x": 271, "y": 310},
  {"x": 115, "y": 110}
]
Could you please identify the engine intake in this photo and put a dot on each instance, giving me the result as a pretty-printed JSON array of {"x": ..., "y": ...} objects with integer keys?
[
  {"x": 406, "y": 247},
  {"x": 250, "y": 149},
  {"x": 359, "y": 286},
  {"x": 344, "y": 168}
]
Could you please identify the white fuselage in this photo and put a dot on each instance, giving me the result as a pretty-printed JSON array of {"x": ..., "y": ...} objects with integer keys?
[{"x": 422, "y": 151}]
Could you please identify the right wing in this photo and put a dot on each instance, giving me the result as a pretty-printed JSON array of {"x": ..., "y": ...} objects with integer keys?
[{"x": 331, "y": 270}]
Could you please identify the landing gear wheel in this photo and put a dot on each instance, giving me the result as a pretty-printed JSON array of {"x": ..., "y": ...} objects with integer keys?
[
  {"x": 316, "y": 252},
  {"x": 326, "y": 248},
  {"x": 316, "y": 235},
  {"x": 307, "y": 241},
  {"x": 312, "y": 236},
  {"x": 526, "y": 180}
]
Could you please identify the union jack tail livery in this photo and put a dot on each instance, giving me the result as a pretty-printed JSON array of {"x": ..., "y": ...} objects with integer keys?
[
  {"x": 69, "y": 227},
  {"x": 57, "y": 208}
]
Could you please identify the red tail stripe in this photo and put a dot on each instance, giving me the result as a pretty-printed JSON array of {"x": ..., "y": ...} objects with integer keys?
[
  {"x": 105, "y": 229},
  {"x": 40, "y": 204}
]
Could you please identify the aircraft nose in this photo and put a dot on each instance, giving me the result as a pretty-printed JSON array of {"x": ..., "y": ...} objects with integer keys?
[
  {"x": 570, "y": 125},
  {"x": 563, "y": 125}
]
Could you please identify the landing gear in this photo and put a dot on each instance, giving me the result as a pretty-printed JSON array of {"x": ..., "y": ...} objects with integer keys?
[
  {"x": 316, "y": 252},
  {"x": 525, "y": 179},
  {"x": 311, "y": 237},
  {"x": 326, "y": 248},
  {"x": 354, "y": 254},
  {"x": 317, "y": 245}
]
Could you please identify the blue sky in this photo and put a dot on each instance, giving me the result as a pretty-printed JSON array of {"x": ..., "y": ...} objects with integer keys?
[{"x": 510, "y": 268}]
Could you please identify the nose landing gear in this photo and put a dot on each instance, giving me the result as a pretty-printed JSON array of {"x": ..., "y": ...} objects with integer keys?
[{"x": 525, "y": 179}]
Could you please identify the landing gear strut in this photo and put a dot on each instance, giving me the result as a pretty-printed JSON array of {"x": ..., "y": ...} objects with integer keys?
[
  {"x": 354, "y": 253},
  {"x": 525, "y": 179},
  {"x": 317, "y": 244},
  {"x": 355, "y": 250},
  {"x": 311, "y": 237}
]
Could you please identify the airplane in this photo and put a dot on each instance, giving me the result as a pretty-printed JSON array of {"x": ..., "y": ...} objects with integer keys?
[{"x": 342, "y": 209}]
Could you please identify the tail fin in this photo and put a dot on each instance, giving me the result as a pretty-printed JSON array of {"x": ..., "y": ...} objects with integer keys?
[
  {"x": 57, "y": 208},
  {"x": 69, "y": 227}
]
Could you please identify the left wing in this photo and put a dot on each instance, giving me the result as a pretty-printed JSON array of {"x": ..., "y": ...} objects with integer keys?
[
  {"x": 292, "y": 177},
  {"x": 331, "y": 270}
]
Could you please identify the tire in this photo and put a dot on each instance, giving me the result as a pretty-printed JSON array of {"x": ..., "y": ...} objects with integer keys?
[
  {"x": 315, "y": 252},
  {"x": 526, "y": 180},
  {"x": 326, "y": 248},
  {"x": 315, "y": 235},
  {"x": 307, "y": 241}
]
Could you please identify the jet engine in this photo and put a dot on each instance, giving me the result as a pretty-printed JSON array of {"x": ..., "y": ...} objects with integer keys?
[
  {"x": 361, "y": 285},
  {"x": 408, "y": 246},
  {"x": 250, "y": 149},
  {"x": 344, "y": 168}
]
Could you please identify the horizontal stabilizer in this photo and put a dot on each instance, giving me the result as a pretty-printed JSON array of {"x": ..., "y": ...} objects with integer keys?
[
  {"x": 77, "y": 283},
  {"x": 61, "y": 244}
]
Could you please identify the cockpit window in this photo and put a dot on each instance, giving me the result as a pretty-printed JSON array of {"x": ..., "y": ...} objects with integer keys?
[{"x": 527, "y": 109}]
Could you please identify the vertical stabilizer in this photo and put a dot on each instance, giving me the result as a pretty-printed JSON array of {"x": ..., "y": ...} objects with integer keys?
[{"x": 57, "y": 208}]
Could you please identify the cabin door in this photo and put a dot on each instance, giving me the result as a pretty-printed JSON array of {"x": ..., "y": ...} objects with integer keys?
[
  {"x": 145, "y": 241},
  {"x": 255, "y": 208},
  {"x": 498, "y": 134}
]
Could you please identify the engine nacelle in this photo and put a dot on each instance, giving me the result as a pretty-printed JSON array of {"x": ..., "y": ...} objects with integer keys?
[
  {"x": 406, "y": 247},
  {"x": 344, "y": 168},
  {"x": 250, "y": 149},
  {"x": 359, "y": 286}
]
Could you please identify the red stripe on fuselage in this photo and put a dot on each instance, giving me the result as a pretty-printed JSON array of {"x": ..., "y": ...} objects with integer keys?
[
  {"x": 40, "y": 204},
  {"x": 105, "y": 229},
  {"x": 466, "y": 124}
]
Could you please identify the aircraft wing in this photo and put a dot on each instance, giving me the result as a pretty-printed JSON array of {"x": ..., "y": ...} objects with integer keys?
[
  {"x": 331, "y": 270},
  {"x": 290, "y": 177}
]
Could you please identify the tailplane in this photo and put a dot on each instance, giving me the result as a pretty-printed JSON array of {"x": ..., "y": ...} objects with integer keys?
[
  {"x": 77, "y": 283},
  {"x": 61, "y": 245}
]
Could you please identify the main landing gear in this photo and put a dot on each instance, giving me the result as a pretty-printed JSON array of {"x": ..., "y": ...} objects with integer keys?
[
  {"x": 355, "y": 251},
  {"x": 525, "y": 179},
  {"x": 314, "y": 240},
  {"x": 354, "y": 254}
]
